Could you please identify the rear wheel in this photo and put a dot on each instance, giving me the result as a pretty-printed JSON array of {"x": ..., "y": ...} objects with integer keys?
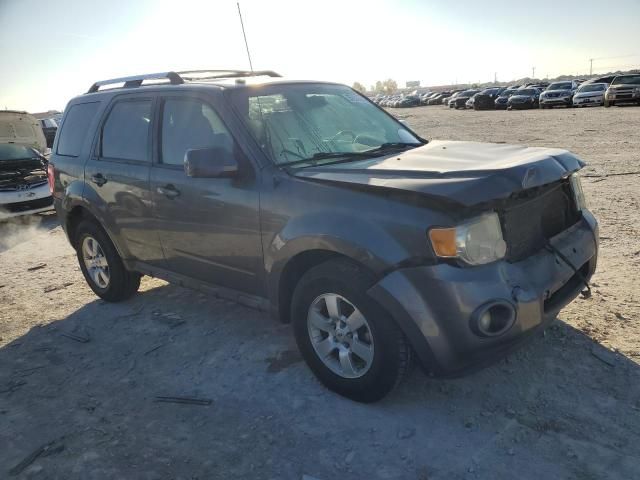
[
  {"x": 102, "y": 266},
  {"x": 350, "y": 343}
]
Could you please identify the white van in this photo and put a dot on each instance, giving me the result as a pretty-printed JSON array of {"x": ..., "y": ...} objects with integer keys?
[{"x": 24, "y": 187}]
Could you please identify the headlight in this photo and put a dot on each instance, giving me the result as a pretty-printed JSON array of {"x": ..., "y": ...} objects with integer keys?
[
  {"x": 476, "y": 242},
  {"x": 578, "y": 194},
  {"x": 636, "y": 90}
]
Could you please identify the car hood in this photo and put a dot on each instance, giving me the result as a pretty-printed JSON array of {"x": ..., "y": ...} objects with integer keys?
[
  {"x": 466, "y": 173},
  {"x": 521, "y": 97},
  {"x": 599, "y": 93}
]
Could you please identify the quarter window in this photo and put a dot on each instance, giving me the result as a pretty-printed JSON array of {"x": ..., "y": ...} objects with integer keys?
[
  {"x": 125, "y": 134},
  {"x": 76, "y": 126},
  {"x": 188, "y": 123}
]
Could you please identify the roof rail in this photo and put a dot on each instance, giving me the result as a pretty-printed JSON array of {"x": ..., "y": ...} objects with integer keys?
[
  {"x": 136, "y": 80},
  {"x": 187, "y": 75},
  {"x": 177, "y": 78}
]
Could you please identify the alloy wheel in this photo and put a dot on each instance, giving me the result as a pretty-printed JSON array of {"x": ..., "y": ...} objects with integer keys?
[
  {"x": 95, "y": 262},
  {"x": 340, "y": 335}
]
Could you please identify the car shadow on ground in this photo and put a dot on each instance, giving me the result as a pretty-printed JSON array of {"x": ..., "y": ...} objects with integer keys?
[
  {"x": 80, "y": 398},
  {"x": 20, "y": 229}
]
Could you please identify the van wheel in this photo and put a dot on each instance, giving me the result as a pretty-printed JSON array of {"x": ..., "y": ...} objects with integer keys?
[
  {"x": 102, "y": 266},
  {"x": 350, "y": 343}
]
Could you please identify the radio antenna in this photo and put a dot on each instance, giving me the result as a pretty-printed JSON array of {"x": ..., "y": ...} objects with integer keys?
[{"x": 245, "y": 37}]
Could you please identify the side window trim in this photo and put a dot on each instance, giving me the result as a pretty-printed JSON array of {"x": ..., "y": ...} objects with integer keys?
[
  {"x": 157, "y": 158},
  {"x": 97, "y": 151}
]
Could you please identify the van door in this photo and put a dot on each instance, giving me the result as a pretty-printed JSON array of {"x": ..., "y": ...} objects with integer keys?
[
  {"x": 117, "y": 177},
  {"x": 209, "y": 228}
]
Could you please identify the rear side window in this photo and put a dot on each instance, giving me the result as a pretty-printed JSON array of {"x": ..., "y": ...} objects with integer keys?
[
  {"x": 76, "y": 125},
  {"x": 125, "y": 134},
  {"x": 190, "y": 124}
]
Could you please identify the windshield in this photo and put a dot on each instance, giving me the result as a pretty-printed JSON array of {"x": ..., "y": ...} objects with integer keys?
[
  {"x": 468, "y": 93},
  {"x": 294, "y": 122},
  {"x": 628, "y": 80},
  {"x": 560, "y": 86},
  {"x": 11, "y": 152},
  {"x": 594, "y": 87},
  {"x": 490, "y": 91},
  {"x": 526, "y": 91}
]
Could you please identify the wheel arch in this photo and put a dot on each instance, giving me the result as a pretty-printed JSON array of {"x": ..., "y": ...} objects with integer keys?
[
  {"x": 79, "y": 213},
  {"x": 294, "y": 269}
]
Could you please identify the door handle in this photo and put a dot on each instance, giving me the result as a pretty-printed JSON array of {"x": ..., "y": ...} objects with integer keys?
[
  {"x": 168, "y": 191},
  {"x": 98, "y": 179}
]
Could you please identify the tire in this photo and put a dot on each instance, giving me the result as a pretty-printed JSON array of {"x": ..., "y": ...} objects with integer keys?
[
  {"x": 344, "y": 284},
  {"x": 607, "y": 104},
  {"x": 120, "y": 283}
]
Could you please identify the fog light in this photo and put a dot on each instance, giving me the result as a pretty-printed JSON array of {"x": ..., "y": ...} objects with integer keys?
[{"x": 493, "y": 318}]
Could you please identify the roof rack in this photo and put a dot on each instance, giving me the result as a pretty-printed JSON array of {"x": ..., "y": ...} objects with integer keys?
[
  {"x": 136, "y": 80},
  {"x": 177, "y": 78}
]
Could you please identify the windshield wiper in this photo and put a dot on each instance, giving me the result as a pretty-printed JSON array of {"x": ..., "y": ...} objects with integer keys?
[{"x": 329, "y": 155}]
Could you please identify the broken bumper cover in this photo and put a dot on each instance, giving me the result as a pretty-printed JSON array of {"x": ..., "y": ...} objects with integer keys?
[{"x": 434, "y": 304}]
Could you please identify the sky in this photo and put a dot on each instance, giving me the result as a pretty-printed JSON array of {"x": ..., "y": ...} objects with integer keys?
[{"x": 51, "y": 51}]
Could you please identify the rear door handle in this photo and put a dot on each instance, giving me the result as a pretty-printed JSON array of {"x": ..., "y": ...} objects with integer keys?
[
  {"x": 98, "y": 179},
  {"x": 168, "y": 191}
]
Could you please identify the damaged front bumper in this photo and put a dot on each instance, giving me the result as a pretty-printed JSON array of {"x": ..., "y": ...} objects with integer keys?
[{"x": 435, "y": 305}]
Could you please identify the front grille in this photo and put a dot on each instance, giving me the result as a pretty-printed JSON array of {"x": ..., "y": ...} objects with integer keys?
[
  {"x": 28, "y": 205},
  {"x": 538, "y": 215}
]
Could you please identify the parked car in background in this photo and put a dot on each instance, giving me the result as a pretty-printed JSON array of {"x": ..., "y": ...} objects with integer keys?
[
  {"x": 461, "y": 100},
  {"x": 24, "y": 188},
  {"x": 270, "y": 193},
  {"x": 558, "y": 94},
  {"x": 448, "y": 101},
  {"x": 470, "y": 102},
  {"x": 485, "y": 100},
  {"x": 49, "y": 128},
  {"x": 426, "y": 99},
  {"x": 623, "y": 89},
  {"x": 524, "y": 98},
  {"x": 590, "y": 95},
  {"x": 502, "y": 101},
  {"x": 409, "y": 101},
  {"x": 438, "y": 99}
]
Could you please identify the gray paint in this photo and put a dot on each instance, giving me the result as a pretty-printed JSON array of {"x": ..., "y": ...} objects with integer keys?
[{"x": 243, "y": 231}]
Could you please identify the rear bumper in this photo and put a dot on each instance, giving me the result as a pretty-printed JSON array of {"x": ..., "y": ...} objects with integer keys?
[{"x": 434, "y": 304}]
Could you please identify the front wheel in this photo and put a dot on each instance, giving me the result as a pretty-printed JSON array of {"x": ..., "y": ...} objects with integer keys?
[
  {"x": 102, "y": 266},
  {"x": 350, "y": 343}
]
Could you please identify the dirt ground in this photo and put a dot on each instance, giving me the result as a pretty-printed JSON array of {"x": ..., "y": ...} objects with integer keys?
[{"x": 80, "y": 378}]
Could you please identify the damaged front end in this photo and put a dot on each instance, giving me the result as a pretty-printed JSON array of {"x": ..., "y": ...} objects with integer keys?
[{"x": 24, "y": 188}]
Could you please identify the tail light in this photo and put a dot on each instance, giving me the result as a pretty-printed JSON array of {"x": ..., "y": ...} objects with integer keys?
[{"x": 50, "y": 176}]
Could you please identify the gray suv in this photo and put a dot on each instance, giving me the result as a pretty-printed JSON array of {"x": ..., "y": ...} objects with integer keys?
[{"x": 307, "y": 200}]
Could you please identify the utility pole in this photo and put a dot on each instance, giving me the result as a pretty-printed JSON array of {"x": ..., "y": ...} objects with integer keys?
[
  {"x": 533, "y": 74},
  {"x": 591, "y": 66},
  {"x": 495, "y": 77}
]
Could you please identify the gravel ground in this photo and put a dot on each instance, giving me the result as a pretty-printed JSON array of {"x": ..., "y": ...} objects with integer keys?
[{"x": 80, "y": 379}]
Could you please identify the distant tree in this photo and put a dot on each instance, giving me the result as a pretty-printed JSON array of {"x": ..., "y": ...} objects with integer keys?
[
  {"x": 389, "y": 86},
  {"x": 379, "y": 88},
  {"x": 359, "y": 87}
]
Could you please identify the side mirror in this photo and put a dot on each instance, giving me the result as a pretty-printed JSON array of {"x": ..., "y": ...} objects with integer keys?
[{"x": 211, "y": 162}]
